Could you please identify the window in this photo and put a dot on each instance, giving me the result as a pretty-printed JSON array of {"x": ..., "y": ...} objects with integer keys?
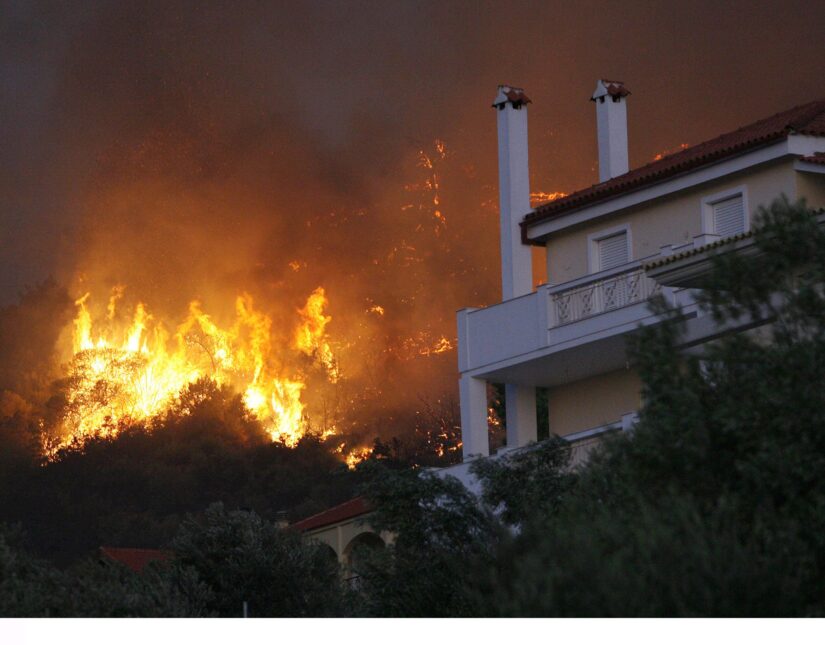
[
  {"x": 609, "y": 248},
  {"x": 613, "y": 251},
  {"x": 726, "y": 214},
  {"x": 729, "y": 216}
]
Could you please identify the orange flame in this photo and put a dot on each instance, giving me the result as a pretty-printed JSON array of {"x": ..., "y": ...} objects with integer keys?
[
  {"x": 309, "y": 337},
  {"x": 354, "y": 456},
  {"x": 133, "y": 374}
]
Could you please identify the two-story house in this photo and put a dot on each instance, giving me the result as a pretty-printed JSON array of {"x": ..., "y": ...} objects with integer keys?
[{"x": 609, "y": 248}]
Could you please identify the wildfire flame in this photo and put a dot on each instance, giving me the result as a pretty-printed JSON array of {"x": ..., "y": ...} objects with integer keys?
[
  {"x": 357, "y": 456},
  {"x": 354, "y": 456},
  {"x": 135, "y": 372},
  {"x": 309, "y": 337}
]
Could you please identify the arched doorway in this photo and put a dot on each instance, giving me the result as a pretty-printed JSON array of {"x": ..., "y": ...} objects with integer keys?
[{"x": 358, "y": 551}]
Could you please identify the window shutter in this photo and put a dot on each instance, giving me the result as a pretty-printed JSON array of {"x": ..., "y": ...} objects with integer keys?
[
  {"x": 729, "y": 217},
  {"x": 613, "y": 251}
]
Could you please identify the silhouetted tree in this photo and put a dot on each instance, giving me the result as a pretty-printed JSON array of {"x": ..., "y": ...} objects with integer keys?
[{"x": 241, "y": 558}]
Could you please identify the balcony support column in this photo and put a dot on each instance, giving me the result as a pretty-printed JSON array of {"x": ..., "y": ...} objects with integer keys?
[
  {"x": 473, "y": 399},
  {"x": 520, "y": 404}
]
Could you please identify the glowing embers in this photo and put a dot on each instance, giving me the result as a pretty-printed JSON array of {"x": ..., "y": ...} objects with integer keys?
[
  {"x": 540, "y": 197},
  {"x": 423, "y": 344},
  {"x": 125, "y": 371},
  {"x": 667, "y": 153}
]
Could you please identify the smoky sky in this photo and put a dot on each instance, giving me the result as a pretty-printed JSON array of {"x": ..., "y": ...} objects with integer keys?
[
  {"x": 199, "y": 150},
  {"x": 335, "y": 94}
]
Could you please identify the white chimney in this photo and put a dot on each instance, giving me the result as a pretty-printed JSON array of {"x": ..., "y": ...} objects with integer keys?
[
  {"x": 611, "y": 126},
  {"x": 514, "y": 191}
]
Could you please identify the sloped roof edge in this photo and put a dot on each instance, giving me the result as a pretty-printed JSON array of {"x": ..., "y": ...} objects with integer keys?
[
  {"x": 346, "y": 511},
  {"x": 807, "y": 119}
]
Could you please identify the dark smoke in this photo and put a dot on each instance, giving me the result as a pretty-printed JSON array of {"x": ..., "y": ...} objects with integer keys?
[{"x": 194, "y": 150}]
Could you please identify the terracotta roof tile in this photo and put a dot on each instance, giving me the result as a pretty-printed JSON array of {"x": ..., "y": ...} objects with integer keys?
[
  {"x": 696, "y": 250},
  {"x": 808, "y": 119},
  {"x": 346, "y": 511},
  {"x": 135, "y": 559},
  {"x": 817, "y": 158}
]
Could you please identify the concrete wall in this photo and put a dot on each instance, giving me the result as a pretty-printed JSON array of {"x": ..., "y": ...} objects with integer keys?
[
  {"x": 811, "y": 186},
  {"x": 669, "y": 220},
  {"x": 507, "y": 329},
  {"x": 593, "y": 402}
]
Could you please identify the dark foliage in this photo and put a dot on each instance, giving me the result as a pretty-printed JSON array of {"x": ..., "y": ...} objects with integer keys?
[
  {"x": 714, "y": 507},
  {"x": 221, "y": 560},
  {"x": 135, "y": 489},
  {"x": 528, "y": 483},
  {"x": 441, "y": 534},
  {"x": 241, "y": 558}
]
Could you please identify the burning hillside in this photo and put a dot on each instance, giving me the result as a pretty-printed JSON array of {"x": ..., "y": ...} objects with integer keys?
[
  {"x": 130, "y": 368},
  {"x": 222, "y": 184},
  {"x": 377, "y": 361}
]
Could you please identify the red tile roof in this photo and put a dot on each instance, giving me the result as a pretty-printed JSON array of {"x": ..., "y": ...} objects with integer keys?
[
  {"x": 135, "y": 559},
  {"x": 817, "y": 158},
  {"x": 806, "y": 119},
  {"x": 346, "y": 511}
]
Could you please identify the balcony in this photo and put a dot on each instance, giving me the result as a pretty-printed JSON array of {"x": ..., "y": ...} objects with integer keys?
[
  {"x": 557, "y": 318},
  {"x": 570, "y": 304}
]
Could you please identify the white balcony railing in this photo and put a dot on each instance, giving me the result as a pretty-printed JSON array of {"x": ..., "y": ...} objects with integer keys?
[
  {"x": 546, "y": 317},
  {"x": 600, "y": 295}
]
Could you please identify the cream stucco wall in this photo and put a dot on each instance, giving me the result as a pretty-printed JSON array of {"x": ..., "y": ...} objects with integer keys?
[
  {"x": 811, "y": 186},
  {"x": 673, "y": 219},
  {"x": 340, "y": 536},
  {"x": 593, "y": 402}
]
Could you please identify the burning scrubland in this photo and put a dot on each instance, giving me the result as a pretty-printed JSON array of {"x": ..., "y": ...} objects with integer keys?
[
  {"x": 346, "y": 339},
  {"x": 214, "y": 212},
  {"x": 334, "y": 319},
  {"x": 129, "y": 368}
]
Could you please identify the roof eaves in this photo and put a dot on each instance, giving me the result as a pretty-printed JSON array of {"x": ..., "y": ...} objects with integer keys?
[
  {"x": 670, "y": 259},
  {"x": 348, "y": 510},
  {"x": 713, "y": 246}
]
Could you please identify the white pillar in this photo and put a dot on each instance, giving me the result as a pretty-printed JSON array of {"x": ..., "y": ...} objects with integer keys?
[
  {"x": 474, "y": 437},
  {"x": 611, "y": 128},
  {"x": 520, "y": 408},
  {"x": 514, "y": 191}
]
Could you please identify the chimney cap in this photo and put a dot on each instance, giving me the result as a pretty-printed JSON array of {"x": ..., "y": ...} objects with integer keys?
[
  {"x": 510, "y": 94},
  {"x": 615, "y": 89}
]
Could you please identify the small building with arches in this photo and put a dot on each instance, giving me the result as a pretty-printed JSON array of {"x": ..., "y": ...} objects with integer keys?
[{"x": 345, "y": 529}]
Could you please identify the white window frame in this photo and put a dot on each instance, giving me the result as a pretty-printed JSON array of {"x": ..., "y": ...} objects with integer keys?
[
  {"x": 709, "y": 201},
  {"x": 593, "y": 245}
]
